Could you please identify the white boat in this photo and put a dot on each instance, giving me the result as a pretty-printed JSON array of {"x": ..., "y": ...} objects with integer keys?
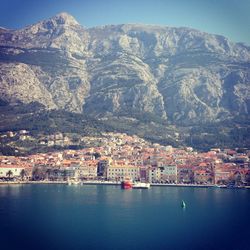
[
  {"x": 141, "y": 185},
  {"x": 221, "y": 186},
  {"x": 74, "y": 182}
]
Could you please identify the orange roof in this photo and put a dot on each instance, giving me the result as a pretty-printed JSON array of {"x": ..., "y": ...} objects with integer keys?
[
  {"x": 10, "y": 166},
  {"x": 199, "y": 171},
  {"x": 202, "y": 164}
]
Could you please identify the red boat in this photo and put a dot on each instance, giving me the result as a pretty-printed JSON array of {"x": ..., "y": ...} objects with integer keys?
[{"x": 127, "y": 184}]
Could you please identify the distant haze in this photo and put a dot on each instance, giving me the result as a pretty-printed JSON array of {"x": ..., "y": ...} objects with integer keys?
[{"x": 226, "y": 17}]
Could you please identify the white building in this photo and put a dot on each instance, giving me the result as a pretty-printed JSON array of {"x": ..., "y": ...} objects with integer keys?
[
  {"x": 6, "y": 169},
  {"x": 120, "y": 172},
  {"x": 169, "y": 173},
  {"x": 87, "y": 171}
]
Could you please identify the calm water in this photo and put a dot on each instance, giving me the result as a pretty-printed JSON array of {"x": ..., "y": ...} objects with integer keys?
[{"x": 106, "y": 217}]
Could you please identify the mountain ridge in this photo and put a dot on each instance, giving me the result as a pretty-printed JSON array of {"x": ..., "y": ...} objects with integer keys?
[{"x": 181, "y": 75}]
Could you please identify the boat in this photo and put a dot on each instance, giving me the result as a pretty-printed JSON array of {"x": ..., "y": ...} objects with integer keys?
[
  {"x": 74, "y": 182},
  {"x": 126, "y": 184},
  {"x": 221, "y": 186},
  {"x": 141, "y": 185},
  {"x": 183, "y": 204}
]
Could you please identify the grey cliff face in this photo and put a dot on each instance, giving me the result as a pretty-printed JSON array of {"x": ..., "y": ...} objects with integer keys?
[{"x": 179, "y": 74}]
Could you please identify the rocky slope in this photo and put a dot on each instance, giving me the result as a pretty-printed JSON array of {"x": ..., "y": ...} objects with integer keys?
[{"x": 180, "y": 75}]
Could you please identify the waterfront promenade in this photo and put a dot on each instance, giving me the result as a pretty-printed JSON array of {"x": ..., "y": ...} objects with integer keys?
[{"x": 96, "y": 182}]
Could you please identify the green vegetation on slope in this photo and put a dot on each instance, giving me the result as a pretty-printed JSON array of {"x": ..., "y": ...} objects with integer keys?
[{"x": 40, "y": 122}]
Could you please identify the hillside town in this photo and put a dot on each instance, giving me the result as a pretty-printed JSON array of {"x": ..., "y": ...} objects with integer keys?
[{"x": 123, "y": 156}]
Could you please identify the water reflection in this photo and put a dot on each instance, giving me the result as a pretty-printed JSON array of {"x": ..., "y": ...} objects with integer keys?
[{"x": 10, "y": 190}]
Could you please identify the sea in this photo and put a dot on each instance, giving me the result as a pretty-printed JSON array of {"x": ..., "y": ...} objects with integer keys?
[{"x": 57, "y": 216}]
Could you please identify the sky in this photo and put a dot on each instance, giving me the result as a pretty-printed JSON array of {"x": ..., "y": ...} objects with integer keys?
[{"x": 230, "y": 18}]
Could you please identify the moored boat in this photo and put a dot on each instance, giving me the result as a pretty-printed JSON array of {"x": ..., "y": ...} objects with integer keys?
[
  {"x": 126, "y": 184},
  {"x": 221, "y": 186},
  {"x": 141, "y": 185},
  {"x": 74, "y": 182}
]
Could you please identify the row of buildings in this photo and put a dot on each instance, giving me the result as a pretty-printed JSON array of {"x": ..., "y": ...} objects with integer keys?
[{"x": 126, "y": 156}]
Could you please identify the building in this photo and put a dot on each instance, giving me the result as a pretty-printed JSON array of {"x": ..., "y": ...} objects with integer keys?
[
  {"x": 185, "y": 175},
  {"x": 88, "y": 170},
  {"x": 169, "y": 173},
  {"x": 154, "y": 174},
  {"x": 102, "y": 167},
  {"x": 202, "y": 176},
  {"x": 222, "y": 176},
  {"x": 224, "y": 173},
  {"x": 120, "y": 172},
  {"x": 144, "y": 174}
]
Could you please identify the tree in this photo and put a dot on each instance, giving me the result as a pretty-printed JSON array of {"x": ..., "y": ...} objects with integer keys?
[
  {"x": 9, "y": 174},
  {"x": 48, "y": 173},
  {"x": 38, "y": 174},
  {"x": 23, "y": 174}
]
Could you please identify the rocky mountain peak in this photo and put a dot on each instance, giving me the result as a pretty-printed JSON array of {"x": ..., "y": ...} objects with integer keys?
[
  {"x": 60, "y": 20},
  {"x": 64, "y": 18}
]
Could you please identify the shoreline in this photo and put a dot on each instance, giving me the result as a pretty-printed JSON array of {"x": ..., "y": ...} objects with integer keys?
[
  {"x": 31, "y": 182},
  {"x": 118, "y": 183}
]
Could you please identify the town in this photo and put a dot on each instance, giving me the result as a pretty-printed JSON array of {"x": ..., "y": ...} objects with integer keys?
[{"x": 123, "y": 156}]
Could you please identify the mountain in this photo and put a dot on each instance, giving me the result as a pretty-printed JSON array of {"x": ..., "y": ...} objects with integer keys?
[{"x": 178, "y": 76}]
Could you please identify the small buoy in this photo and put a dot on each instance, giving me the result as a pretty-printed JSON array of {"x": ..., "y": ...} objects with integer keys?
[{"x": 183, "y": 204}]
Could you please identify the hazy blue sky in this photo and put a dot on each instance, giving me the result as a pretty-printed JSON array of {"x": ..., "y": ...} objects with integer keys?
[{"x": 226, "y": 17}]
